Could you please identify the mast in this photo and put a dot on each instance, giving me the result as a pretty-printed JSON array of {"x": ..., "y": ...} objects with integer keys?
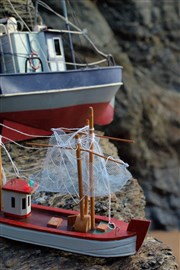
[
  {"x": 69, "y": 35},
  {"x": 91, "y": 161},
  {"x": 86, "y": 197},
  {"x": 80, "y": 180},
  {"x": 82, "y": 222},
  {"x": 36, "y": 13}
]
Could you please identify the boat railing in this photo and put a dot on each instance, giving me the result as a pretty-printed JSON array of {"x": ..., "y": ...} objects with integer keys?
[
  {"x": 30, "y": 60},
  {"x": 108, "y": 58}
]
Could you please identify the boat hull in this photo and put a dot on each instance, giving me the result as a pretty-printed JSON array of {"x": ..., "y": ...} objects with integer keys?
[
  {"x": 46, "y": 100},
  {"x": 56, "y": 109},
  {"x": 95, "y": 248},
  {"x": 113, "y": 243}
]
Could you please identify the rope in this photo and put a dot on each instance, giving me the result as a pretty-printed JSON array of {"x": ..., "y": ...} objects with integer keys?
[
  {"x": 74, "y": 26},
  {"x": 23, "y": 133},
  {"x": 16, "y": 171},
  {"x": 18, "y": 15}
]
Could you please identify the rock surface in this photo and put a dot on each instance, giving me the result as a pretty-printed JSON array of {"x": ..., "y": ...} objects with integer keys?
[{"x": 20, "y": 256}]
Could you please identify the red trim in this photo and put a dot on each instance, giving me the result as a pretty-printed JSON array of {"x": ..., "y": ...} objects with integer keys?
[
  {"x": 41, "y": 215},
  {"x": 141, "y": 228},
  {"x": 40, "y": 122},
  {"x": 16, "y": 216}
]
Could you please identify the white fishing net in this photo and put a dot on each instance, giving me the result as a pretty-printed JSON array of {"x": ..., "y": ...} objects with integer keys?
[{"x": 60, "y": 174}]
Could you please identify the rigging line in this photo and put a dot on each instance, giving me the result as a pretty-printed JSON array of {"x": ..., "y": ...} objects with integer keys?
[
  {"x": 23, "y": 133},
  {"x": 63, "y": 162},
  {"x": 27, "y": 170},
  {"x": 9, "y": 1},
  {"x": 16, "y": 171},
  {"x": 40, "y": 48},
  {"x": 22, "y": 55},
  {"x": 22, "y": 146},
  {"x": 102, "y": 136},
  {"x": 29, "y": 11},
  {"x": 77, "y": 28},
  {"x": 64, "y": 184},
  {"x": 82, "y": 149},
  {"x": 4, "y": 176},
  {"x": 76, "y": 21}
]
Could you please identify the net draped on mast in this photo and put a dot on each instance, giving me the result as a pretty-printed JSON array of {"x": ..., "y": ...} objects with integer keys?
[{"x": 59, "y": 172}]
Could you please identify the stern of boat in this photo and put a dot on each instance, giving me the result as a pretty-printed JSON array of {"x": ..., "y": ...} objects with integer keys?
[{"x": 140, "y": 226}]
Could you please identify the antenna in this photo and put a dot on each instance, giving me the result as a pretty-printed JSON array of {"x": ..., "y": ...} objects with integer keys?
[
  {"x": 69, "y": 35},
  {"x": 36, "y": 13}
]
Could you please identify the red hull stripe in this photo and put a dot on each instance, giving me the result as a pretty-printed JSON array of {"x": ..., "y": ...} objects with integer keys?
[
  {"x": 74, "y": 116},
  {"x": 40, "y": 122}
]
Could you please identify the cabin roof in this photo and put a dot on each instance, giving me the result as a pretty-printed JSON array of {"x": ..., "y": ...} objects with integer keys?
[{"x": 19, "y": 185}]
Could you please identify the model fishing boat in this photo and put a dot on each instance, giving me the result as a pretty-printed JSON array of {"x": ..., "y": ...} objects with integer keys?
[
  {"x": 74, "y": 165},
  {"x": 40, "y": 89}
]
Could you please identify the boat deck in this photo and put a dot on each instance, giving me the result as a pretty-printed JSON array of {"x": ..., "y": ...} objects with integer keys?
[{"x": 41, "y": 215}]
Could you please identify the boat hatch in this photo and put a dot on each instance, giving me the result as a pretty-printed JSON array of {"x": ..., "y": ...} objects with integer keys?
[
  {"x": 102, "y": 227},
  {"x": 54, "y": 222}
]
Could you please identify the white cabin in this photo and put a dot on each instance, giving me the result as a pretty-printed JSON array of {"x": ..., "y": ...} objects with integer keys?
[
  {"x": 16, "y": 195},
  {"x": 36, "y": 51}
]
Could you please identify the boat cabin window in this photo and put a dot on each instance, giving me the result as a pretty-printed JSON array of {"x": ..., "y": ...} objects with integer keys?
[
  {"x": 57, "y": 46},
  {"x": 12, "y": 202},
  {"x": 28, "y": 200},
  {"x": 23, "y": 203}
]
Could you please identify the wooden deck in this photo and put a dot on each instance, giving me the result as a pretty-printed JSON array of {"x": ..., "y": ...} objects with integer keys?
[{"x": 40, "y": 216}]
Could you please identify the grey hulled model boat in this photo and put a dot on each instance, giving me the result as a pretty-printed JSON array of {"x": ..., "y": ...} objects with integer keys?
[{"x": 39, "y": 89}]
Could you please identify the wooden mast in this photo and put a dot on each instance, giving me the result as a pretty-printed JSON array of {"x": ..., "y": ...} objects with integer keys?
[
  {"x": 80, "y": 180},
  {"x": 82, "y": 222},
  {"x": 91, "y": 161},
  {"x": 86, "y": 206}
]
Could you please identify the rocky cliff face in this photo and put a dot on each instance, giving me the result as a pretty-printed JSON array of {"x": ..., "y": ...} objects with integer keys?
[
  {"x": 148, "y": 106},
  {"x": 144, "y": 38}
]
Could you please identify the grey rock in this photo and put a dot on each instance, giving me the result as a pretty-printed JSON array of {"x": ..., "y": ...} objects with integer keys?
[{"x": 153, "y": 255}]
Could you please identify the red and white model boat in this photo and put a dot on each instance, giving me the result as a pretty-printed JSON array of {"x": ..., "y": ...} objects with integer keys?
[
  {"x": 39, "y": 89},
  {"x": 74, "y": 164}
]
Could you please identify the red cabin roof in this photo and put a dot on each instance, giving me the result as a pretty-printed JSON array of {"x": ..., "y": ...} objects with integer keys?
[{"x": 19, "y": 185}]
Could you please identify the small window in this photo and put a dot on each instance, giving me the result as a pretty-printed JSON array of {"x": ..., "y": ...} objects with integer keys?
[
  {"x": 28, "y": 200},
  {"x": 24, "y": 203},
  {"x": 12, "y": 202},
  {"x": 57, "y": 46}
]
